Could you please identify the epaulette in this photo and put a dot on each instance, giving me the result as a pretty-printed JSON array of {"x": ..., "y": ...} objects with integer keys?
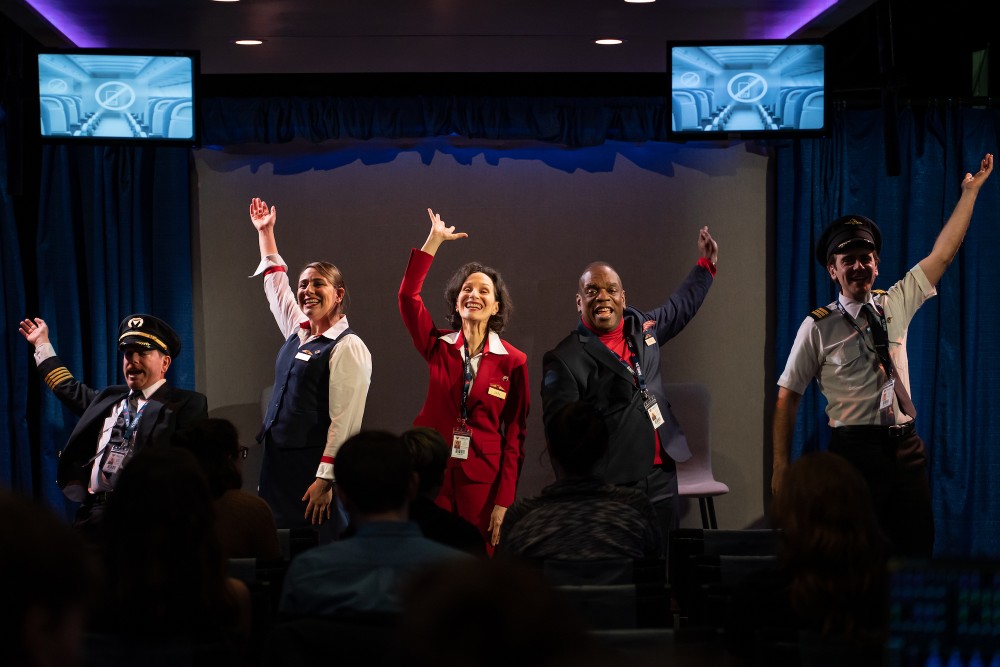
[
  {"x": 57, "y": 376},
  {"x": 879, "y": 291},
  {"x": 820, "y": 313}
]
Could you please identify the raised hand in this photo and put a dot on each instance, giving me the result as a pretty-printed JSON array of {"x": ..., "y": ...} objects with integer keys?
[
  {"x": 439, "y": 233},
  {"x": 707, "y": 246},
  {"x": 971, "y": 182},
  {"x": 35, "y": 331},
  {"x": 262, "y": 217}
]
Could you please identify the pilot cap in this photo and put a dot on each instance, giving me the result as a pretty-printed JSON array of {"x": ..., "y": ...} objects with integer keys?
[
  {"x": 849, "y": 231},
  {"x": 149, "y": 333}
]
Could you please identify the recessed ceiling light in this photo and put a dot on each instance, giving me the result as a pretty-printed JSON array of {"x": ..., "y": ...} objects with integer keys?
[
  {"x": 249, "y": 42},
  {"x": 635, "y": 2},
  {"x": 608, "y": 41},
  {"x": 239, "y": 0}
]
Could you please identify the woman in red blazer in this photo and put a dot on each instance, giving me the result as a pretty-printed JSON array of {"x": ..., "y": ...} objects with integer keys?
[{"x": 478, "y": 394}]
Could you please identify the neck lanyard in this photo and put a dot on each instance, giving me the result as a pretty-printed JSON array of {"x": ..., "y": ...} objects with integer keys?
[
  {"x": 467, "y": 379},
  {"x": 130, "y": 422},
  {"x": 635, "y": 368},
  {"x": 880, "y": 334}
]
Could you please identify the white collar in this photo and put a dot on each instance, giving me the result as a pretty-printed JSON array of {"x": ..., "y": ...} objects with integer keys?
[
  {"x": 152, "y": 389},
  {"x": 854, "y": 307},
  {"x": 493, "y": 343},
  {"x": 330, "y": 333}
]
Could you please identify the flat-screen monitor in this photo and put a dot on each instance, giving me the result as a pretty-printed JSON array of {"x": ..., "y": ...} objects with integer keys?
[
  {"x": 747, "y": 89},
  {"x": 112, "y": 96}
]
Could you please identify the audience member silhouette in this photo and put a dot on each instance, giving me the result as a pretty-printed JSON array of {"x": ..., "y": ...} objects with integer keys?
[
  {"x": 486, "y": 613},
  {"x": 430, "y": 456},
  {"x": 580, "y": 516},
  {"x": 831, "y": 590},
  {"x": 50, "y": 576},
  {"x": 362, "y": 574},
  {"x": 243, "y": 521},
  {"x": 165, "y": 573}
]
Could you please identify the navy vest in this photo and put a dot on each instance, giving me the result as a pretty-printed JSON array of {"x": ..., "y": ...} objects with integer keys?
[{"x": 298, "y": 414}]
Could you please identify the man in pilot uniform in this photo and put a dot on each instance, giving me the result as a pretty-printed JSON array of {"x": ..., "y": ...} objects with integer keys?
[
  {"x": 117, "y": 421},
  {"x": 856, "y": 349}
]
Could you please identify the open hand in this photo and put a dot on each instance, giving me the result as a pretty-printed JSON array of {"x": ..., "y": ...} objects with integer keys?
[
  {"x": 35, "y": 331},
  {"x": 262, "y": 217}
]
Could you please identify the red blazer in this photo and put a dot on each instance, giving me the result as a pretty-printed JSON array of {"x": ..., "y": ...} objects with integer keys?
[{"x": 498, "y": 399}]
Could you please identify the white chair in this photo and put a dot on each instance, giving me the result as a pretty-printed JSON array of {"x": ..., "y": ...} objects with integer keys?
[{"x": 691, "y": 404}]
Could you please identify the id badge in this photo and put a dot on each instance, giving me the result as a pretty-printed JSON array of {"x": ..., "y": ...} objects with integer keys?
[
  {"x": 888, "y": 391},
  {"x": 303, "y": 356},
  {"x": 114, "y": 462},
  {"x": 461, "y": 439},
  {"x": 653, "y": 410}
]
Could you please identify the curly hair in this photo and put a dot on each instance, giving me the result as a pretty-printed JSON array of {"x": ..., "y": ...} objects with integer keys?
[{"x": 497, "y": 322}]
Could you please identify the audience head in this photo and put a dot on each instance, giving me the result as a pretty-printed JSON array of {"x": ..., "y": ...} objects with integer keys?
[
  {"x": 430, "y": 454},
  {"x": 832, "y": 545},
  {"x": 375, "y": 473},
  {"x": 164, "y": 564},
  {"x": 49, "y": 579},
  {"x": 479, "y": 613},
  {"x": 215, "y": 444},
  {"x": 477, "y": 273},
  {"x": 577, "y": 439}
]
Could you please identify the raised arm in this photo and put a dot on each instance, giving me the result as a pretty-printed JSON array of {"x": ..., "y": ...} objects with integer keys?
[
  {"x": 440, "y": 232},
  {"x": 785, "y": 410},
  {"x": 952, "y": 234},
  {"x": 72, "y": 393},
  {"x": 264, "y": 219}
]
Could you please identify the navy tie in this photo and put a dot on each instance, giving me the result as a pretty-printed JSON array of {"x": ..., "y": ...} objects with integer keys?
[{"x": 881, "y": 337}]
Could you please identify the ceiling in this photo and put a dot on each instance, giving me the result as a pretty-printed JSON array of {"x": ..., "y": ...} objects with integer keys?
[{"x": 368, "y": 36}]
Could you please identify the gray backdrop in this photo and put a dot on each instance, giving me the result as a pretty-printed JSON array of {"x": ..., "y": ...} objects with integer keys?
[{"x": 532, "y": 214}]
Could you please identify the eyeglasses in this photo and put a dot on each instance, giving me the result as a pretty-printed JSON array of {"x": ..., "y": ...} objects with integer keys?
[{"x": 243, "y": 451}]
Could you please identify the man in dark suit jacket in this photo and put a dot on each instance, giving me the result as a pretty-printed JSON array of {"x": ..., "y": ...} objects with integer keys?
[
  {"x": 112, "y": 427},
  {"x": 612, "y": 361}
]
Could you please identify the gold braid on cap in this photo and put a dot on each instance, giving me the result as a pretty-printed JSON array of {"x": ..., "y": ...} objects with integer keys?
[{"x": 143, "y": 334}]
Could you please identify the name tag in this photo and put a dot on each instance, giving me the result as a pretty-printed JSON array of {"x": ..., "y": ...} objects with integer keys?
[
  {"x": 303, "y": 356},
  {"x": 461, "y": 439},
  {"x": 497, "y": 390},
  {"x": 113, "y": 463},
  {"x": 888, "y": 391},
  {"x": 649, "y": 340},
  {"x": 653, "y": 410}
]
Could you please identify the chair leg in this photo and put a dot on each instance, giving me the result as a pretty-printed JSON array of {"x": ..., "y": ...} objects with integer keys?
[
  {"x": 702, "y": 505},
  {"x": 711, "y": 512}
]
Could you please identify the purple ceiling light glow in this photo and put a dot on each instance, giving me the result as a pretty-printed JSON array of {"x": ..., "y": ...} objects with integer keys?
[
  {"x": 63, "y": 21},
  {"x": 794, "y": 19}
]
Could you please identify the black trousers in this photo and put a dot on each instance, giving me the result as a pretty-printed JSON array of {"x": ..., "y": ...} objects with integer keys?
[
  {"x": 661, "y": 487},
  {"x": 895, "y": 469}
]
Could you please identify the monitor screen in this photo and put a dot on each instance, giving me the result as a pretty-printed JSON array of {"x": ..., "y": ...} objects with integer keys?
[
  {"x": 944, "y": 612},
  {"x": 747, "y": 89},
  {"x": 112, "y": 96}
]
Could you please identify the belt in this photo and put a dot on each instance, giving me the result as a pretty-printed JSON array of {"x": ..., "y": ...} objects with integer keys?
[
  {"x": 893, "y": 431},
  {"x": 98, "y": 498}
]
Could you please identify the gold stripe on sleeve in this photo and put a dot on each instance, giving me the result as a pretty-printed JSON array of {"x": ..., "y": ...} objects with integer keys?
[{"x": 57, "y": 376}]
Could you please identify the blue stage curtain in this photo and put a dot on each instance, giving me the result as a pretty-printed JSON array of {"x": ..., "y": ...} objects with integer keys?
[
  {"x": 952, "y": 346},
  {"x": 567, "y": 121},
  {"x": 114, "y": 238},
  {"x": 15, "y": 451}
]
